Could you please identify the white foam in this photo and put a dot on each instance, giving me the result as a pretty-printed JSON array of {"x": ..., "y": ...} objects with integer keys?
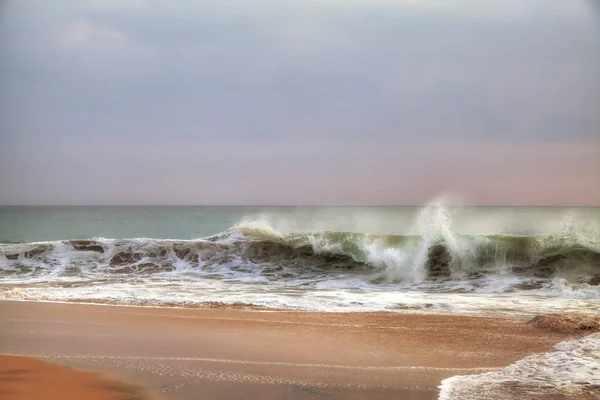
[
  {"x": 395, "y": 264},
  {"x": 217, "y": 269},
  {"x": 572, "y": 370},
  {"x": 574, "y": 290}
]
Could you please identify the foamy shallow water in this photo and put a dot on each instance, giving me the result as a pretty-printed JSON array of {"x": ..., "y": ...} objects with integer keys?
[
  {"x": 571, "y": 371},
  {"x": 190, "y": 294}
]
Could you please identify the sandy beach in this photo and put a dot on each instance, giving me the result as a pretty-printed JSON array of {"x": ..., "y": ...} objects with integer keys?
[
  {"x": 253, "y": 354},
  {"x": 24, "y": 378}
]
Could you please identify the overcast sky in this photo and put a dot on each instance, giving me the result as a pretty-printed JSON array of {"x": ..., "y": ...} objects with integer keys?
[{"x": 299, "y": 101}]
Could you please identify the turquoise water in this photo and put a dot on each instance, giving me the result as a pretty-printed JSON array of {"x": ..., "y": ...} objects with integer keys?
[{"x": 28, "y": 224}]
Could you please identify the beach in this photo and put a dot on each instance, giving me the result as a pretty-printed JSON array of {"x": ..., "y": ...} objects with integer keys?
[
  {"x": 241, "y": 352},
  {"x": 24, "y": 378},
  {"x": 299, "y": 200}
]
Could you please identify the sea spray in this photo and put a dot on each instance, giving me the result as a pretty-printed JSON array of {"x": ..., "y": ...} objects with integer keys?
[
  {"x": 397, "y": 258},
  {"x": 438, "y": 266}
]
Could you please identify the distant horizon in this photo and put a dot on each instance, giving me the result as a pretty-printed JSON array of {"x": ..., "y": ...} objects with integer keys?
[{"x": 304, "y": 205}]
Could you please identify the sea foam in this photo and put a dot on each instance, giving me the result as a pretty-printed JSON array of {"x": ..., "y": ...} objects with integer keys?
[{"x": 571, "y": 371}]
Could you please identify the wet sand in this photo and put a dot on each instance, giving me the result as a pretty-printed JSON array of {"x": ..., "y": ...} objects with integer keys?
[
  {"x": 250, "y": 354},
  {"x": 24, "y": 378}
]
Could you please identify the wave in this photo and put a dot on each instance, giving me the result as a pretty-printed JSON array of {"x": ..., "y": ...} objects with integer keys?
[{"x": 258, "y": 249}]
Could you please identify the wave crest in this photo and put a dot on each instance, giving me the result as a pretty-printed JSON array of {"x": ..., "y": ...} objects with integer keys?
[{"x": 259, "y": 249}]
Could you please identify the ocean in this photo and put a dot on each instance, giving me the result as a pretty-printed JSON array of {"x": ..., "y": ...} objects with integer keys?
[
  {"x": 436, "y": 259},
  {"x": 492, "y": 261}
]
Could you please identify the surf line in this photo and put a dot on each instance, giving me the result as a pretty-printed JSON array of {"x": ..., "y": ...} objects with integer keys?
[{"x": 250, "y": 362}]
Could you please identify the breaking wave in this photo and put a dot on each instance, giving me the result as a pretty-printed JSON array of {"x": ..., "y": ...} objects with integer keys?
[
  {"x": 260, "y": 250},
  {"x": 436, "y": 269}
]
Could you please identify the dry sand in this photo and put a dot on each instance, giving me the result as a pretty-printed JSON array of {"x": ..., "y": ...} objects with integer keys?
[{"x": 249, "y": 354}]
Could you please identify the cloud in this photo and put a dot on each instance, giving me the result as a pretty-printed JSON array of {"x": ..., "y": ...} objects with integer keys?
[
  {"x": 298, "y": 86},
  {"x": 83, "y": 32},
  {"x": 78, "y": 33}
]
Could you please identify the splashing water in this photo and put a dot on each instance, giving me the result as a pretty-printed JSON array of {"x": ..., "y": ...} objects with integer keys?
[{"x": 446, "y": 260}]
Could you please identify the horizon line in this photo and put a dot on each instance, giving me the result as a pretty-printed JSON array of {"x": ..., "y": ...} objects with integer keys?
[{"x": 296, "y": 205}]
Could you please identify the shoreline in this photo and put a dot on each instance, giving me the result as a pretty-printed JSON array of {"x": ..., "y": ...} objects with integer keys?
[
  {"x": 250, "y": 307},
  {"x": 232, "y": 353}
]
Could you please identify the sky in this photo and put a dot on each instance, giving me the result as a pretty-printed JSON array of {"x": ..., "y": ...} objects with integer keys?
[{"x": 346, "y": 102}]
